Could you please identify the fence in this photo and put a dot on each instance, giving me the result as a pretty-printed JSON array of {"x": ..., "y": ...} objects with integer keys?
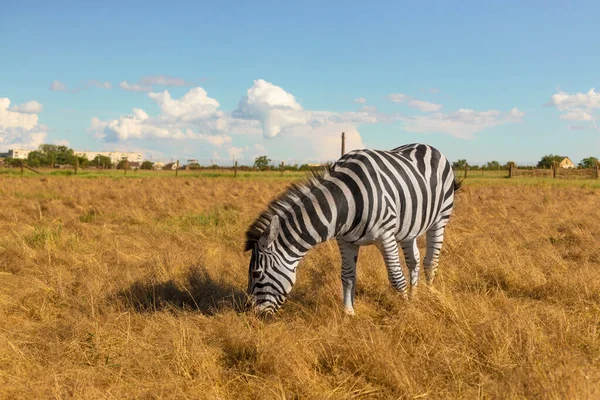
[{"x": 513, "y": 171}]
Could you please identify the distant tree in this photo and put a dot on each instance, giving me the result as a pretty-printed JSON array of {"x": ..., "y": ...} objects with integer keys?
[
  {"x": 13, "y": 162},
  {"x": 122, "y": 164},
  {"x": 262, "y": 162},
  {"x": 492, "y": 165},
  {"x": 83, "y": 161},
  {"x": 548, "y": 160},
  {"x": 101, "y": 161},
  {"x": 589, "y": 162},
  {"x": 147, "y": 165},
  {"x": 460, "y": 164}
]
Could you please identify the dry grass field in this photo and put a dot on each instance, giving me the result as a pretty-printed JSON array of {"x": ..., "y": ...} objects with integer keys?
[{"x": 130, "y": 288}]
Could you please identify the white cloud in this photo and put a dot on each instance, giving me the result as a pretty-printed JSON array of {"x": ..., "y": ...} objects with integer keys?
[
  {"x": 464, "y": 123},
  {"x": 102, "y": 85},
  {"x": 275, "y": 108},
  {"x": 195, "y": 104},
  {"x": 30, "y": 107},
  {"x": 19, "y": 129},
  {"x": 58, "y": 86},
  {"x": 565, "y": 101},
  {"x": 398, "y": 97},
  {"x": 359, "y": 100},
  {"x": 576, "y": 106},
  {"x": 147, "y": 82},
  {"x": 163, "y": 80},
  {"x": 323, "y": 143},
  {"x": 577, "y": 115},
  {"x": 135, "y": 87},
  {"x": 270, "y": 111},
  {"x": 236, "y": 153},
  {"x": 192, "y": 117},
  {"x": 424, "y": 105}
]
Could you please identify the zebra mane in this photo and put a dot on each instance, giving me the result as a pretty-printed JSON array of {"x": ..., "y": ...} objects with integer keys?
[{"x": 285, "y": 200}]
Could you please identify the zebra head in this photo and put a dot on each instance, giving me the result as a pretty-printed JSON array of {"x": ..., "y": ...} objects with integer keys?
[{"x": 270, "y": 277}]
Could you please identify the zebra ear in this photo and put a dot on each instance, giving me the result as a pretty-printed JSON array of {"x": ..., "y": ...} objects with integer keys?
[{"x": 270, "y": 233}]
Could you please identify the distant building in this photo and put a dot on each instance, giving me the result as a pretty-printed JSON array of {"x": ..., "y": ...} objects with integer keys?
[
  {"x": 566, "y": 163},
  {"x": 158, "y": 165},
  {"x": 115, "y": 156},
  {"x": 17, "y": 153}
]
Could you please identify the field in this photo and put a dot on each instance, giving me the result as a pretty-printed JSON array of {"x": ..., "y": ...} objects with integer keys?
[{"x": 130, "y": 287}]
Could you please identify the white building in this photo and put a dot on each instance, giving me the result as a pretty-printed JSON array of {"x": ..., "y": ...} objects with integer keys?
[
  {"x": 115, "y": 156},
  {"x": 19, "y": 153}
]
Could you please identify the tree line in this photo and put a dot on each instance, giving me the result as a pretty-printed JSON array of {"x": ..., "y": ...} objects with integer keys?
[
  {"x": 545, "y": 162},
  {"x": 50, "y": 155}
]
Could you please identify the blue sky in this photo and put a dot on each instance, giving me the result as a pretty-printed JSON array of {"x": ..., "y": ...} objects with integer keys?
[{"x": 479, "y": 80}]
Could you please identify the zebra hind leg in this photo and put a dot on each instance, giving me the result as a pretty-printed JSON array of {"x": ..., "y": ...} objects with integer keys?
[
  {"x": 413, "y": 261},
  {"x": 389, "y": 249},
  {"x": 435, "y": 238},
  {"x": 349, "y": 254}
]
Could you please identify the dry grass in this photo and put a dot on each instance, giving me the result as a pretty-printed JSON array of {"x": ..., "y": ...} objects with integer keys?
[{"x": 129, "y": 288}]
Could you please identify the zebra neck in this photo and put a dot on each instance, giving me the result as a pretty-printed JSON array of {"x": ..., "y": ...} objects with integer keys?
[{"x": 304, "y": 227}]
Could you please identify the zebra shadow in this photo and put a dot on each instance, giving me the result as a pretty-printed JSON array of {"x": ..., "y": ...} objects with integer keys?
[{"x": 197, "y": 291}]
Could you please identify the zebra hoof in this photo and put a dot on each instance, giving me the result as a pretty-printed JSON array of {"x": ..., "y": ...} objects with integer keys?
[{"x": 349, "y": 312}]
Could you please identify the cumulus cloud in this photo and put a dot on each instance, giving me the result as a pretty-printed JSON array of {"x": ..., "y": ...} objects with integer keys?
[
  {"x": 195, "y": 104},
  {"x": 194, "y": 116},
  {"x": 30, "y": 107},
  {"x": 424, "y": 105},
  {"x": 271, "y": 111},
  {"x": 565, "y": 101},
  {"x": 464, "y": 123},
  {"x": 20, "y": 129},
  {"x": 275, "y": 108},
  {"x": 58, "y": 86},
  {"x": 359, "y": 100},
  {"x": 577, "y": 115},
  {"x": 576, "y": 106}
]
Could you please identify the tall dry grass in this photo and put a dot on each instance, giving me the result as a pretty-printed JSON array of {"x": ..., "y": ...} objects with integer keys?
[{"x": 129, "y": 288}]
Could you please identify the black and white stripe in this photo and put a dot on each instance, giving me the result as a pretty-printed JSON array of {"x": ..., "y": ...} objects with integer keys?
[{"x": 367, "y": 197}]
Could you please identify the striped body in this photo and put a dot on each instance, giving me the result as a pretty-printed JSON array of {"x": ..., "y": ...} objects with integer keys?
[{"x": 376, "y": 197}]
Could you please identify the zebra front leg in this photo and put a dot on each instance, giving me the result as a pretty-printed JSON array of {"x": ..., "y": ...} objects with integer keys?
[
  {"x": 435, "y": 238},
  {"x": 413, "y": 261},
  {"x": 389, "y": 250},
  {"x": 349, "y": 254}
]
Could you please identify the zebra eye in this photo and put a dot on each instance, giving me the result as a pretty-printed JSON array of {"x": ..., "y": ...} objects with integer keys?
[{"x": 256, "y": 274}]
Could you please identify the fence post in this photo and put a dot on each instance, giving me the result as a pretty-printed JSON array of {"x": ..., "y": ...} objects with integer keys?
[
  {"x": 125, "y": 167},
  {"x": 21, "y": 165},
  {"x": 177, "y": 168},
  {"x": 554, "y": 169},
  {"x": 281, "y": 168},
  {"x": 466, "y": 167},
  {"x": 597, "y": 163},
  {"x": 76, "y": 165},
  {"x": 235, "y": 170},
  {"x": 482, "y": 171}
]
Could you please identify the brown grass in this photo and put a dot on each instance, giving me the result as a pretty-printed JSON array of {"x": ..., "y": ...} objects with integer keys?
[{"x": 129, "y": 288}]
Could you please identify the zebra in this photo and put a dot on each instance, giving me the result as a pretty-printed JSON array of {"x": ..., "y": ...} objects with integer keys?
[{"x": 368, "y": 196}]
